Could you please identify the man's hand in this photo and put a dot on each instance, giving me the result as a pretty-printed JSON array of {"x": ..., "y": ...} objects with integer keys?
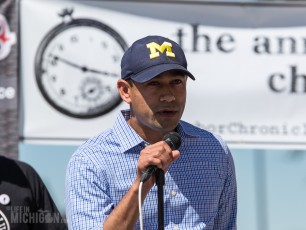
[{"x": 158, "y": 154}]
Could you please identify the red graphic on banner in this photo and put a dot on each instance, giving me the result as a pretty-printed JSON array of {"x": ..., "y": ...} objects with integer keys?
[
  {"x": 3, "y": 38},
  {"x": 7, "y": 39}
]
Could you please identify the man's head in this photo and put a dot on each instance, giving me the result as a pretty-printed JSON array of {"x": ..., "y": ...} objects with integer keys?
[
  {"x": 151, "y": 56},
  {"x": 153, "y": 83}
]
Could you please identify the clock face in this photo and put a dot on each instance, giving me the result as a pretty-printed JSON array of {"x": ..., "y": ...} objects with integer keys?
[{"x": 77, "y": 67}]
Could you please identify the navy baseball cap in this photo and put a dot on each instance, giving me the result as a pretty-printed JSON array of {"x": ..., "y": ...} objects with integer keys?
[{"x": 151, "y": 56}]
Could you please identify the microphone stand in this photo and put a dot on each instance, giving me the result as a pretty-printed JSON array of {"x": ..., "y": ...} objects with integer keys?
[{"x": 160, "y": 182}]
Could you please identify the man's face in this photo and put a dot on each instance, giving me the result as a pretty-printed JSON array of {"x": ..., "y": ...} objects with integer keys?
[{"x": 159, "y": 103}]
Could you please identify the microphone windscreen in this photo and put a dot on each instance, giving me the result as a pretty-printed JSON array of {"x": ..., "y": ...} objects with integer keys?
[{"x": 173, "y": 139}]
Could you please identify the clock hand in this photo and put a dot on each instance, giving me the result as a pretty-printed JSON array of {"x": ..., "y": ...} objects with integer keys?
[
  {"x": 57, "y": 58},
  {"x": 83, "y": 68},
  {"x": 99, "y": 72}
]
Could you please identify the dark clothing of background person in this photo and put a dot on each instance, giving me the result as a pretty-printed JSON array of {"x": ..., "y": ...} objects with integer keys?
[{"x": 25, "y": 203}]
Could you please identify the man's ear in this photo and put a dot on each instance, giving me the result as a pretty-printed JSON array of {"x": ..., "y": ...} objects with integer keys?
[{"x": 124, "y": 89}]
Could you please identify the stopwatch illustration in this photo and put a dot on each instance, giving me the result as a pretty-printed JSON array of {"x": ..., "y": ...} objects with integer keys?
[{"x": 77, "y": 66}]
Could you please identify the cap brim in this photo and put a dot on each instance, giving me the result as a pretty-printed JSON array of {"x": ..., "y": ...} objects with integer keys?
[{"x": 148, "y": 74}]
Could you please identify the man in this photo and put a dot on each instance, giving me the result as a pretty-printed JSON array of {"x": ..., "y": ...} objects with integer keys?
[
  {"x": 103, "y": 175},
  {"x": 25, "y": 203}
]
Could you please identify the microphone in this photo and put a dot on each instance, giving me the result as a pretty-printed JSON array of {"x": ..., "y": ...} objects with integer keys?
[{"x": 173, "y": 139}]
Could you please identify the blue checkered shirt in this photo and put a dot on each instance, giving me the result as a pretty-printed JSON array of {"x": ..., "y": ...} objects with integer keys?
[{"x": 199, "y": 192}]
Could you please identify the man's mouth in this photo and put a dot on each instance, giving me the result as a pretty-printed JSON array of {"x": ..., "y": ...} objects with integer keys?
[{"x": 167, "y": 112}]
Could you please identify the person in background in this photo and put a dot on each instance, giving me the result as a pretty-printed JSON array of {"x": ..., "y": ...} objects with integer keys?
[
  {"x": 104, "y": 174},
  {"x": 25, "y": 203}
]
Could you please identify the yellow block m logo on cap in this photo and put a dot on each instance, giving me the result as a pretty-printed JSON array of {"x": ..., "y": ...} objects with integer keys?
[{"x": 156, "y": 48}]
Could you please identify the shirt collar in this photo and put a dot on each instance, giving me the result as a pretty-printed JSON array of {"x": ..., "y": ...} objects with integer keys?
[{"x": 126, "y": 135}]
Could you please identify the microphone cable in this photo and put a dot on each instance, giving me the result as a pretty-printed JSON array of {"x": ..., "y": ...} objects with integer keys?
[
  {"x": 140, "y": 206},
  {"x": 173, "y": 139}
]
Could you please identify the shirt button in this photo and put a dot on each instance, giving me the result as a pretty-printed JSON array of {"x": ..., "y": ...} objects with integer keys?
[
  {"x": 173, "y": 193},
  {"x": 176, "y": 227}
]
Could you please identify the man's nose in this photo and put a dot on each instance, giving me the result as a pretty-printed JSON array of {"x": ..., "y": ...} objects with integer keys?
[{"x": 167, "y": 98}]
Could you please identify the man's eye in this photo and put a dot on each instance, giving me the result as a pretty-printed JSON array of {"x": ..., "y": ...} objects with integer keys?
[
  {"x": 177, "y": 81},
  {"x": 153, "y": 83}
]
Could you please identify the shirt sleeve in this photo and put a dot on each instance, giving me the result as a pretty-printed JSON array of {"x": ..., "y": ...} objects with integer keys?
[
  {"x": 87, "y": 202},
  {"x": 227, "y": 213}
]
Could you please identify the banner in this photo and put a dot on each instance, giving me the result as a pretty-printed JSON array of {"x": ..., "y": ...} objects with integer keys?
[
  {"x": 250, "y": 79},
  {"x": 8, "y": 80}
]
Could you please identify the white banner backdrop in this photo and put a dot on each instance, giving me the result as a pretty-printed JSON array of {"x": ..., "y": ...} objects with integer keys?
[{"x": 250, "y": 82}]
